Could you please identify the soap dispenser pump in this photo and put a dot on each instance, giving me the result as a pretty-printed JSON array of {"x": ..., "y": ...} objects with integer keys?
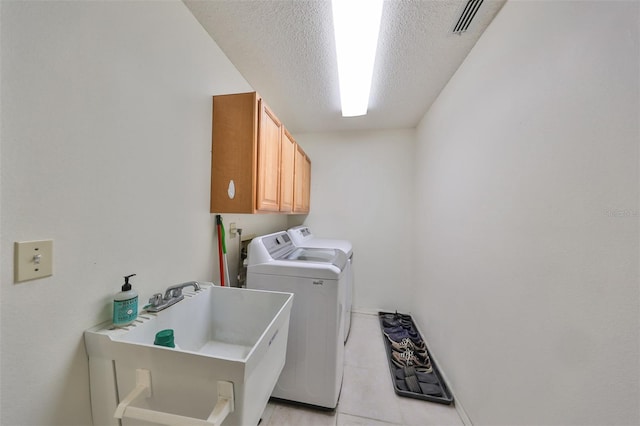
[{"x": 125, "y": 304}]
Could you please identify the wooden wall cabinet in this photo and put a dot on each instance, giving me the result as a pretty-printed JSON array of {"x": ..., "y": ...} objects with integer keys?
[{"x": 253, "y": 158}]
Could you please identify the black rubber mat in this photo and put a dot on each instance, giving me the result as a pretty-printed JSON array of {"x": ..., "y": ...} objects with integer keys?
[{"x": 410, "y": 379}]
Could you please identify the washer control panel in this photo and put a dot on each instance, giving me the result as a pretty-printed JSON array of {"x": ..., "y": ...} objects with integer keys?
[{"x": 277, "y": 244}]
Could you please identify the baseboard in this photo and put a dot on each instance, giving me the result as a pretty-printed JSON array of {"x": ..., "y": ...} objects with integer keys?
[{"x": 365, "y": 311}]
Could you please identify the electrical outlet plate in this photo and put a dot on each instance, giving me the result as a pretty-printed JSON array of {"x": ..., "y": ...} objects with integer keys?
[{"x": 33, "y": 259}]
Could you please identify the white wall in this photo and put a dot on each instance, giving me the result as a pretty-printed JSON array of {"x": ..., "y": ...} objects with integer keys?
[
  {"x": 106, "y": 113},
  {"x": 362, "y": 191},
  {"x": 527, "y": 250}
]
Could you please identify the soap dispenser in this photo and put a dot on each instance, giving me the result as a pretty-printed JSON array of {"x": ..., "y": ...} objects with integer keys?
[{"x": 125, "y": 304}]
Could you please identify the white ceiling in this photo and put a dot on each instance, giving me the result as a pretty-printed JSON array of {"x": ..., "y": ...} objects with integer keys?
[{"x": 285, "y": 50}]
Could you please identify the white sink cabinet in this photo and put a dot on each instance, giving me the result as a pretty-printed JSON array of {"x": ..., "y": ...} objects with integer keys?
[{"x": 225, "y": 336}]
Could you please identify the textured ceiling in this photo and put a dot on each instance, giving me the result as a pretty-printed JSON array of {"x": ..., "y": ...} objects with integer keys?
[{"x": 285, "y": 50}]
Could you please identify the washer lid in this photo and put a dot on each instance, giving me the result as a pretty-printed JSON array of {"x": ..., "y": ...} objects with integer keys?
[
  {"x": 303, "y": 237},
  {"x": 331, "y": 256},
  {"x": 342, "y": 245}
]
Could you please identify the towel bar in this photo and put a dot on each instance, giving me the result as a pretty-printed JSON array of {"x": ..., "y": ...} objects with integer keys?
[{"x": 223, "y": 406}]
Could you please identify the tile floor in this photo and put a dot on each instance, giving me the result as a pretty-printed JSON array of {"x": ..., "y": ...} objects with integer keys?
[{"x": 367, "y": 396}]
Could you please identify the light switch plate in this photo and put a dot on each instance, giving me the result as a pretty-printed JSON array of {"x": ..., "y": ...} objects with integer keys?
[{"x": 33, "y": 259}]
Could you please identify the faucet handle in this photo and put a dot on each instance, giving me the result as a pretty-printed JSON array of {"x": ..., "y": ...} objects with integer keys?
[
  {"x": 156, "y": 299},
  {"x": 173, "y": 293}
]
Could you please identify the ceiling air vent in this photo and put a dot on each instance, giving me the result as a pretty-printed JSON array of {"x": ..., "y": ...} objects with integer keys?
[{"x": 467, "y": 16}]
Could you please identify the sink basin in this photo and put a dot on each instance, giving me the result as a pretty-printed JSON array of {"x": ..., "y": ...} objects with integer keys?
[{"x": 221, "y": 334}]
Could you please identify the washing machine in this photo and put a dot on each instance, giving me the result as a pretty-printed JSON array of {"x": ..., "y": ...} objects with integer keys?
[
  {"x": 314, "y": 364},
  {"x": 303, "y": 237}
]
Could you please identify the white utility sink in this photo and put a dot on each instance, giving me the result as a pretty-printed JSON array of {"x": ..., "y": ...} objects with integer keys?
[{"x": 229, "y": 336}]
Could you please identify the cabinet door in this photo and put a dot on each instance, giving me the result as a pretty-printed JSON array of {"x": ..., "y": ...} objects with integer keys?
[
  {"x": 306, "y": 185},
  {"x": 268, "y": 177},
  {"x": 233, "y": 153},
  {"x": 302, "y": 182},
  {"x": 287, "y": 153}
]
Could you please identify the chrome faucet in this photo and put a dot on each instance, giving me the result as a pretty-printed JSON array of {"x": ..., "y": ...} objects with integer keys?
[
  {"x": 172, "y": 296},
  {"x": 176, "y": 290}
]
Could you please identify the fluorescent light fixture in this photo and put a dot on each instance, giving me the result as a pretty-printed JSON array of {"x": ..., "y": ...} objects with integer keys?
[{"x": 356, "y": 24}]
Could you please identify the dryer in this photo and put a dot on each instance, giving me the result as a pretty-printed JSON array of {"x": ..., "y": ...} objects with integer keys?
[
  {"x": 314, "y": 364},
  {"x": 303, "y": 237}
]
